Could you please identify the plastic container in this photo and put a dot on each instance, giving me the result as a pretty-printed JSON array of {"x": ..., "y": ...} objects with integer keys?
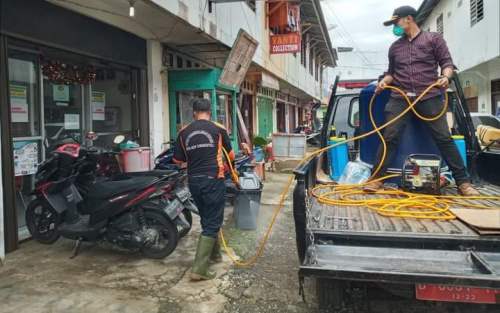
[
  {"x": 246, "y": 208},
  {"x": 356, "y": 172},
  {"x": 136, "y": 160},
  {"x": 247, "y": 201},
  {"x": 258, "y": 153},
  {"x": 338, "y": 157},
  {"x": 460, "y": 143}
]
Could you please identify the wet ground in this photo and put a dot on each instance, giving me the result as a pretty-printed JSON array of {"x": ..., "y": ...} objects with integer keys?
[{"x": 39, "y": 278}]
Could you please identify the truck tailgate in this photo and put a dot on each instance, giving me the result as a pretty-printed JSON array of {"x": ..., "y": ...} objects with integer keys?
[{"x": 400, "y": 265}]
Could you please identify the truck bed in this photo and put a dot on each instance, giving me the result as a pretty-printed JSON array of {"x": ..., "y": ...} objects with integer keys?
[
  {"x": 363, "y": 221},
  {"x": 356, "y": 243}
]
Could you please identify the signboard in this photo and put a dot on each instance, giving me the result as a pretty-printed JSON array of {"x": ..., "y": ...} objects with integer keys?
[
  {"x": 25, "y": 157},
  {"x": 286, "y": 43},
  {"x": 19, "y": 103},
  {"x": 284, "y": 22},
  {"x": 98, "y": 106},
  {"x": 239, "y": 60}
]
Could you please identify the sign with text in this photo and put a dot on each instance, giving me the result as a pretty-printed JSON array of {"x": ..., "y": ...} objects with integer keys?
[
  {"x": 286, "y": 43},
  {"x": 284, "y": 23}
]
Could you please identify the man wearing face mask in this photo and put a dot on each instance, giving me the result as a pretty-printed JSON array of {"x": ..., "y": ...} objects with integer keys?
[{"x": 413, "y": 66}]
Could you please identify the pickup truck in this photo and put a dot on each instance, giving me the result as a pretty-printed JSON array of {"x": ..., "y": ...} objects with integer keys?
[{"x": 353, "y": 248}]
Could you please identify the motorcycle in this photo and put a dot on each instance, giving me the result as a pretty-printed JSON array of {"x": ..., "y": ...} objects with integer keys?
[{"x": 141, "y": 213}]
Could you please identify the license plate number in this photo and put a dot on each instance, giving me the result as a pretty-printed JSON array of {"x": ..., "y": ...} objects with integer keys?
[{"x": 451, "y": 293}]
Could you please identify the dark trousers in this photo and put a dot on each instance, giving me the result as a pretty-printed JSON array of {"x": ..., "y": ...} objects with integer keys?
[
  {"x": 438, "y": 129},
  {"x": 208, "y": 194}
]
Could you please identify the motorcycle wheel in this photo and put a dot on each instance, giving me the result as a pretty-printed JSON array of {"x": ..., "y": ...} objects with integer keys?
[
  {"x": 42, "y": 221},
  {"x": 189, "y": 218},
  {"x": 166, "y": 239}
]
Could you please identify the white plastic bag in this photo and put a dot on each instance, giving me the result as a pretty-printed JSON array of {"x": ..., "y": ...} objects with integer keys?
[{"x": 356, "y": 172}]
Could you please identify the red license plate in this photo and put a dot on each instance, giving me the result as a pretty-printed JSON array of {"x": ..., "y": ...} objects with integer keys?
[{"x": 451, "y": 293}]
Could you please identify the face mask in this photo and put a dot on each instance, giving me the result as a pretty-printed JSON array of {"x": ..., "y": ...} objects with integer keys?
[{"x": 398, "y": 30}]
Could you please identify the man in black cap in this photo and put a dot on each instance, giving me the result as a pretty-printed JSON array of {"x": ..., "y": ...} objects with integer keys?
[
  {"x": 413, "y": 66},
  {"x": 200, "y": 144}
]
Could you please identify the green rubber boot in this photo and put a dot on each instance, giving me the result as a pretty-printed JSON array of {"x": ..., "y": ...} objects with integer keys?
[
  {"x": 200, "y": 265},
  {"x": 216, "y": 256}
]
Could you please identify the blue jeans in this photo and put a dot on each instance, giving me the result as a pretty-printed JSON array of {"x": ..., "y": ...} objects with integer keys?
[{"x": 208, "y": 194}]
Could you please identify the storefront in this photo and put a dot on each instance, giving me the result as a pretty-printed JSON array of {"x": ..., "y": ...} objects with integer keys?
[
  {"x": 65, "y": 73},
  {"x": 185, "y": 85}
]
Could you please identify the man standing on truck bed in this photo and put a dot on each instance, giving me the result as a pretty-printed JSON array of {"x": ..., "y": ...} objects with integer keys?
[
  {"x": 413, "y": 66},
  {"x": 200, "y": 144}
]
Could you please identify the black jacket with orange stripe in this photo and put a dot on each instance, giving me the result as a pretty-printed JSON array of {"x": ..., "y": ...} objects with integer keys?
[{"x": 200, "y": 145}]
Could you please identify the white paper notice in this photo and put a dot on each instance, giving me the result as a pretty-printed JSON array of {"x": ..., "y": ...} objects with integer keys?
[
  {"x": 19, "y": 104},
  {"x": 72, "y": 121},
  {"x": 25, "y": 158},
  {"x": 98, "y": 106}
]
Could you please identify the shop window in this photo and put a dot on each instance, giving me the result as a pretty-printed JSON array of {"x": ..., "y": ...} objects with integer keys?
[
  {"x": 476, "y": 11},
  {"x": 24, "y": 94},
  {"x": 311, "y": 61},
  {"x": 185, "y": 107},
  {"x": 439, "y": 24},
  {"x": 303, "y": 47},
  {"x": 26, "y": 129},
  {"x": 224, "y": 111},
  {"x": 179, "y": 62},
  {"x": 112, "y": 106}
]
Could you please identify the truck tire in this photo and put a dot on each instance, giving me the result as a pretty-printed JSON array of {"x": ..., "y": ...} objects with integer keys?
[{"x": 330, "y": 293}]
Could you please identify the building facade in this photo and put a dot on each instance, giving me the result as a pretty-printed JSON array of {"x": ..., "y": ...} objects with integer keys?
[
  {"x": 92, "y": 66},
  {"x": 471, "y": 30}
]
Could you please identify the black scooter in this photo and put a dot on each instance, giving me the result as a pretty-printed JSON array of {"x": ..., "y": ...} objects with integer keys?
[{"x": 135, "y": 213}]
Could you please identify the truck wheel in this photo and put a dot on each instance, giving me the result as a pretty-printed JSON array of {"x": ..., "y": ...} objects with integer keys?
[{"x": 330, "y": 293}]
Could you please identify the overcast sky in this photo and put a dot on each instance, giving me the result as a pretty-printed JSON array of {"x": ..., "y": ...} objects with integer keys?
[{"x": 358, "y": 24}]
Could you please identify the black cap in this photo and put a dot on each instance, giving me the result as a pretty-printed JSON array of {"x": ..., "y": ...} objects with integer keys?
[
  {"x": 400, "y": 12},
  {"x": 201, "y": 105}
]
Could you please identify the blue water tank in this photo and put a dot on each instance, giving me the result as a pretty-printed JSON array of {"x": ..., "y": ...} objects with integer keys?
[{"x": 415, "y": 139}]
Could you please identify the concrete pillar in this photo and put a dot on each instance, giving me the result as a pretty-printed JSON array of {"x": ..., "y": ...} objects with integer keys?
[{"x": 155, "y": 97}]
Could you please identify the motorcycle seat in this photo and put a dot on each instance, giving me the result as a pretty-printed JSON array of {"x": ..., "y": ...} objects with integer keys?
[{"x": 108, "y": 189}]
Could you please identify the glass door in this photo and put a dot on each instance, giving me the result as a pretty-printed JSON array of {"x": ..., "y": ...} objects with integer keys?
[
  {"x": 63, "y": 109},
  {"x": 24, "y": 94}
]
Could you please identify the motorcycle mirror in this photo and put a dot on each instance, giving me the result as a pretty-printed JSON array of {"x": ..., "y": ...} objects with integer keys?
[
  {"x": 119, "y": 139},
  {"x": 91, "y": 136}
]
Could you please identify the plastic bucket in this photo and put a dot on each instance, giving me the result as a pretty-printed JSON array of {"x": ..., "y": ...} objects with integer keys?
[{"x": 136, "y": 160}]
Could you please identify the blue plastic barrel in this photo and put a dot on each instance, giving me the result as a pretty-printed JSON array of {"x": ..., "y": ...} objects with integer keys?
[
  {"x": 338, "y": 157},
  {"x": 460, "y": 143},
  {"x": 415, "y": 138}
]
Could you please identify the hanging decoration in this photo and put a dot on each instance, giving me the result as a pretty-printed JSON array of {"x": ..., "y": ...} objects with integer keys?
[{"x": 62, "y": 73}]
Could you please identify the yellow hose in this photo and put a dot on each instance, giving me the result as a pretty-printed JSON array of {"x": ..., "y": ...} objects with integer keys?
[{"x": 392, "y": 203}]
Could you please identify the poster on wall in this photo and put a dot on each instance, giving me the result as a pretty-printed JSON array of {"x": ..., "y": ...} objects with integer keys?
[
  {"x": 25, "y": 157},
  {"x": 98, "y": 106},
  {"x": 72, "y": 121},
  {"x": 19, "y": 104},
  {"x": 60, "y": 93}
]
